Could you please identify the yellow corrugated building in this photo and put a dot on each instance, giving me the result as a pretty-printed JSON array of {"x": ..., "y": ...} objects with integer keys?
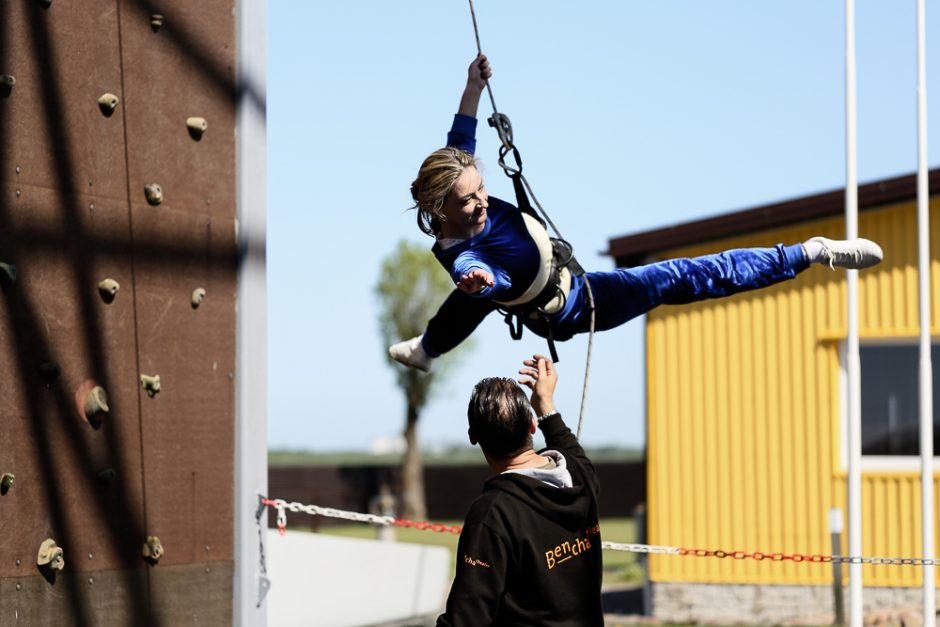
[{"x": 746, "y": 414}]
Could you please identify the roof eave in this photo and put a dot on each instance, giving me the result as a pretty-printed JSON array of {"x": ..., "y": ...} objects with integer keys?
[{"x": 636, "y": 249}]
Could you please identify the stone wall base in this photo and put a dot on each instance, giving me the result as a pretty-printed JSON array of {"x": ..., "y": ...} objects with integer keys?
[{"x": 779, "y": 605}]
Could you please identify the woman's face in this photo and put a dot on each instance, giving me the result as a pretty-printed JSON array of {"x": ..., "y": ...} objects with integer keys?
[{"x": 465, "y": 207}]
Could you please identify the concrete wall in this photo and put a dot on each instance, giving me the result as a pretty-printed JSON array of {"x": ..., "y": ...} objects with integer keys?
[
  {"x": 341, "y": 582},
  {"x": 778, "y": 604}
]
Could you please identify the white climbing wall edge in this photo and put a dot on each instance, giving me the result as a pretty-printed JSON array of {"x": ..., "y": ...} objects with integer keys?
[{"x": 251, "y": 470}]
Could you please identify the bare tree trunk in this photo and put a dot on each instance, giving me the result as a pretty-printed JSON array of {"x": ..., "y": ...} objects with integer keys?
[{"x": 413, "y": 505}]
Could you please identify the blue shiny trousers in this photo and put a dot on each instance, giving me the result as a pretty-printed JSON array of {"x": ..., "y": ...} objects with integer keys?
[{"x": 625, "y": 293}]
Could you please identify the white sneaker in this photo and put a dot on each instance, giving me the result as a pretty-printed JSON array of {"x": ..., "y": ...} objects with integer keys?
[
  {"x": 852, "y": 254},
  {"x": 411, "y": 353}
]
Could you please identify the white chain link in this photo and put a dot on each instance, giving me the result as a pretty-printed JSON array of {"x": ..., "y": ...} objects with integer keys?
[
  {"x": 315, "y": 510},
  {"x": 893, "y": 561},
  {"x": 640, "y": 548}
]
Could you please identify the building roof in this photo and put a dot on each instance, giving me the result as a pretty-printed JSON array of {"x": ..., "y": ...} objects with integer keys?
[{"x": 636, "y": 249}]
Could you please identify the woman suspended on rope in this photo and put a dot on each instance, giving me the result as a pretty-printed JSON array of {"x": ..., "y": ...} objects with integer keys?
[{"x": 502, "y": 258}]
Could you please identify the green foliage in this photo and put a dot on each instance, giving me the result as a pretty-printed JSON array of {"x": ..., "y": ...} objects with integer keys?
[{"x": 411, "y": 287}]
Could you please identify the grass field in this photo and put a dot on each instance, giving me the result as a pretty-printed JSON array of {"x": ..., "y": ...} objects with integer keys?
[
  {"x": 619, "y": 566},
  {"x": 450, "y": 457}
]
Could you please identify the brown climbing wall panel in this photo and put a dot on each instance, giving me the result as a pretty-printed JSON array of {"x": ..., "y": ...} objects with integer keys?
[
  {"x": 55, "y": 314},
  {"x": 72, "y": 213},
  {"x": 187, "y": 426},
  {"x": 185, "y": 69},
  {"x": 63, "y": 59}
]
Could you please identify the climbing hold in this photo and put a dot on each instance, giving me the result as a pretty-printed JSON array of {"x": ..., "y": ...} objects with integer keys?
[
  {"x": 199, "y": 295},
  {"x": 153, "y": 549},
  {"x": 151, "y": 384},
  {"x": 45, "y": 3},
  {"x": 96, "y": 405},
  {"x": 196, "y": 126},
  {"x": 108, "y": 288},
  {"x": 6, "y": 482},
  {"x": 108, "y": 103},
  {"x": 154, "y": 194},
  {"x": 7, "y": 276},
  {"x": 156, "y": 21},
  {"x": 50, "y": 555},
  {"x": 49, "y": 370},
  {"x": 105, "y": 476},
  {"x": 6, "y": 84}
]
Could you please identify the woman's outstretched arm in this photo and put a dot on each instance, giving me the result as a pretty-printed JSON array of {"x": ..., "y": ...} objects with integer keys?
[{"x": 477, "y": 74}]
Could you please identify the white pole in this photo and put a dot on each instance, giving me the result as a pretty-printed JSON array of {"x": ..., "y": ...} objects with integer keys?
[
  {"x": 251, "y": 465},
  {"x": 853, "y": 365},
  {"x": 926, "y": 366}
]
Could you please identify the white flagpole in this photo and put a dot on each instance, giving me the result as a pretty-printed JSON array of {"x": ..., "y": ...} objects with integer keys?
[
  {"x": 853, "y": 365},
  {"x": 926, "y": 366}
]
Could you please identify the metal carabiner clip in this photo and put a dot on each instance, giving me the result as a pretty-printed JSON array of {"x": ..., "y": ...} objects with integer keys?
[{"x": 503, "y": 126}]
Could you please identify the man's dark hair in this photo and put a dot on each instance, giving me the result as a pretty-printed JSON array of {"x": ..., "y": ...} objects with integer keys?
[{"x": 499, "y": 415}]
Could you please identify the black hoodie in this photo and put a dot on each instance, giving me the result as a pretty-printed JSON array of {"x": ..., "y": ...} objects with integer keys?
[{"x": 530, "y": 553}]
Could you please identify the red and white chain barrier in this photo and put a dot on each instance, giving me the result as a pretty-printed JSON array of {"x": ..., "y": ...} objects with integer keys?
[{"x": 315, "y": 510}]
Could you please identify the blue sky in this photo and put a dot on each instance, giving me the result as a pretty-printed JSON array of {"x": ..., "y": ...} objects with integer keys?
[{"x": 630, "y": 116}]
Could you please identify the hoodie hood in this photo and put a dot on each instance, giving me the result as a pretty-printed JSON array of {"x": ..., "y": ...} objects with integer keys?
[
  {"x": 539, "y": 490},
  {"x": 555, "y": 475}
]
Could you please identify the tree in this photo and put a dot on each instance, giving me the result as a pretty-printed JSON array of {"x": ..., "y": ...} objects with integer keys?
[{"x": 410, "y": 289}]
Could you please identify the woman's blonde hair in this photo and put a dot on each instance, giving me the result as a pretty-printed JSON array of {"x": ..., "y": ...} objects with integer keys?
[{"x": 436, "y": 178}]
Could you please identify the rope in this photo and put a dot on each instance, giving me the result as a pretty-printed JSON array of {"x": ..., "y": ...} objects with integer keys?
[
  {"x": 587, "y": 365},
  {"x": 476, "y": 33},
  {"x": 503, "y": 127},
  {"x": 282, "y": 506}
]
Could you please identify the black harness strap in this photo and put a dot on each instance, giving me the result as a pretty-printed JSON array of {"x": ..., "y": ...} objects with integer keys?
[{"x": 562, "y": 257}]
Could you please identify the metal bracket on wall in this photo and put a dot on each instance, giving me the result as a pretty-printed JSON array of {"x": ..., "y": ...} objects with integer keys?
[{"x": 264, "y": 584}]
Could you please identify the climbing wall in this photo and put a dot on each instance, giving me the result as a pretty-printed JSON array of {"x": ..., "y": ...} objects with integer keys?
[{"x": 117, "y": 311}]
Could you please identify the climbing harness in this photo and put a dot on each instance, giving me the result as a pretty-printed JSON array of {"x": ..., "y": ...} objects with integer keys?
[{"x": 563, "y": 259}]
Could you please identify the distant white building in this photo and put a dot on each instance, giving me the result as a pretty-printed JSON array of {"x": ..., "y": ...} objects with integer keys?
[{"x": 387, "y": 445}]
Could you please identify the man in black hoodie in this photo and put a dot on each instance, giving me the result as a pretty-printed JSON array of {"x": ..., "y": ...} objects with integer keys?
[{"x": 530, "y": 550}]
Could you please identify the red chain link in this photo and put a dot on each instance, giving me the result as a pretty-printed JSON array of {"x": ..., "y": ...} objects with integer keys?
[
  {"x": 426, "y": 526},
  {"x": 757, "y": 555}
]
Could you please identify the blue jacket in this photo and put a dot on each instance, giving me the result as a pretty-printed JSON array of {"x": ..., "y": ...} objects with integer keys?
[{"x": 505, "y": 249}]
